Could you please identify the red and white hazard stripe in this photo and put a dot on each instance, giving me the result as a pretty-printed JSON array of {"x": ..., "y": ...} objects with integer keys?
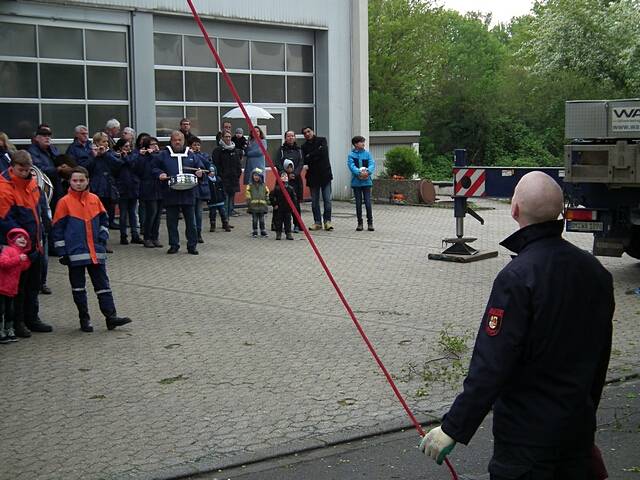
[{"x": 469, "y": 182}]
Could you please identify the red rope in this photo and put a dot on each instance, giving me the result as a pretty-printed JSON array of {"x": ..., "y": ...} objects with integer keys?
[{"x": 295, "y": 212}]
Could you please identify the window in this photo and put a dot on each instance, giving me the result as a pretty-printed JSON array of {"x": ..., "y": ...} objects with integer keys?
[
  {"x": 18, "y": 79},
  {"x": 234, "y": 53},
  {"x": 276, "y": 76},
  {"x": 267, "y": 56},
  {"x": 167, "y": 49},
  {"x": 66, "y": 75},
  {"x": 299, "y": 58},
  {"x": 17, "y": 39},
  {"x": 268, "y": 88}
]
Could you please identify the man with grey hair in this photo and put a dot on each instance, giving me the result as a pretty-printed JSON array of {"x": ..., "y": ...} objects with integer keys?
[
  {"x": 541, "y": 353},
  {"x": 81, "y": 148},
  {"x": 112, "y": 129},
  {"x": 129, "y": 134}
]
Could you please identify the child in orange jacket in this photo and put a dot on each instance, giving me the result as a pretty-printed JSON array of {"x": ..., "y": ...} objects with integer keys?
[{"x": 80, "y": 232}]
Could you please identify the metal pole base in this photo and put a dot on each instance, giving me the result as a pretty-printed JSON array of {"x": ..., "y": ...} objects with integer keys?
[{"x": 460, "y": 252}]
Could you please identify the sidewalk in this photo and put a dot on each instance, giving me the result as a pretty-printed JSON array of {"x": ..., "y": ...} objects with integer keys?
[
  {"x": 396, "y": 455},
  {"x": 244, "y": 352}
]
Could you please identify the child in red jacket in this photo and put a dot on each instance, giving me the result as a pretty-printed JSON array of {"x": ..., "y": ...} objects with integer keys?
[{"x": 13, "y": 261}]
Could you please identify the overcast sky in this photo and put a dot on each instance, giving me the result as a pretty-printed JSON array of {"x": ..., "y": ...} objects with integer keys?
[{"x": 502, "y": 10}]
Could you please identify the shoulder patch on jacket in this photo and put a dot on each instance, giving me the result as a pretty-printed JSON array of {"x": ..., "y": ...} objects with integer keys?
[{"x": 494, "y": 321}]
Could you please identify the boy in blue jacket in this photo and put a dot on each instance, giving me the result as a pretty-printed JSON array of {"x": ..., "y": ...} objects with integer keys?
[
  {"x": 80, "y": 232},
  {"x": 362, "y": 166}
]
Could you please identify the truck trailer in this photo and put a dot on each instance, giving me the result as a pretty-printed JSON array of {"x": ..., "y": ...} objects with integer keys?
[{"x": 602, "y": 173}]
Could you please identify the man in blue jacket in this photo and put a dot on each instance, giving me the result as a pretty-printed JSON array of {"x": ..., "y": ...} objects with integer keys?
[
  {"x": 81, "y": 149},
  {"x": 541, "y": 353},
  {"x": 176, "y": 201},
  {"x": 44, "y": 153}
]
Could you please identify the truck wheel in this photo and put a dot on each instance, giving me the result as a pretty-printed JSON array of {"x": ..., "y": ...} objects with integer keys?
[{"x": 633, "y": 250}]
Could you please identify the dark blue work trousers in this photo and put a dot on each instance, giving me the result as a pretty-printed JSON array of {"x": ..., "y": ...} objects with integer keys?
[{"x": 100, "y": 282}]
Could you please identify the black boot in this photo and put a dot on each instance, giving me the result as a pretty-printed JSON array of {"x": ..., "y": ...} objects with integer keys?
[
  {"x": 21, "y": 330},
  {"x": 370, "y": 226},
  {"x": 200, "y": 239},
  {"x": 123, "y": 240},
  {"x": 85, "y": 324},
  {"x": 226, "y": 226},
  {"x": 278, "y": 235},
  {"x": 360, "y": 227},
  {"x": 39, "y": 326},
  {"x": 113, "y": 322},
  {"x": 212, "y": 226},
  {"x": 136, "y": 240}
]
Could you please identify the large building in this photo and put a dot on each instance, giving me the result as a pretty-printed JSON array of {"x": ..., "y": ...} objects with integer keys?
[{"x": 146, "y": 63}]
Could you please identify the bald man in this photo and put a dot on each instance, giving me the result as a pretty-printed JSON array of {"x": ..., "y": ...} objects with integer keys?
[{"x": 541, "y": 353}]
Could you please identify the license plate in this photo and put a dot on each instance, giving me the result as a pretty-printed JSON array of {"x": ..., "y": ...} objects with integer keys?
[{"x": 585, "y": 227}]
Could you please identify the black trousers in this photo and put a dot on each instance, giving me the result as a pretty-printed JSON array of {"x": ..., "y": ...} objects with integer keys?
[
  {"x": 281, "y": 219},
  {"x": 523, "y": 462},
  {"x": 25, "y": 305}
]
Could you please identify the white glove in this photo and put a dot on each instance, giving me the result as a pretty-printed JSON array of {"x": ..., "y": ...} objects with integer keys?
[{"x": 437, "y": 444}]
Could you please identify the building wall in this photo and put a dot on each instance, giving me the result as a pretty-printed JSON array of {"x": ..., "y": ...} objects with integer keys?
[{"x": 335, "y": 28}]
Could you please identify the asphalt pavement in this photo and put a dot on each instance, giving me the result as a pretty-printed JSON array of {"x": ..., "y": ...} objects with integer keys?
[{"x": 396, "y": 455}]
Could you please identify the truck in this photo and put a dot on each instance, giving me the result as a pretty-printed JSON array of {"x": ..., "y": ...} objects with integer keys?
[{"x": 602, "y": 173}]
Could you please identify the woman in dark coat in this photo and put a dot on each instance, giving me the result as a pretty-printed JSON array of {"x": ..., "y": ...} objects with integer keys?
[
  {"x": 128, "y": 184},
  {"x": 150, "y": 191},
  {"x": 227, "y": 159}
]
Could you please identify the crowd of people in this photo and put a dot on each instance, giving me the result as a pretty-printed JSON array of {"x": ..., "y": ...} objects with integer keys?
[{"x": 66, "y": 206}]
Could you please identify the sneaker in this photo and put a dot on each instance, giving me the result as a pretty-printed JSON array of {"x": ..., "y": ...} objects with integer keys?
[
  {"x": 45, "y": 290},
  {"x": 327, "y": 226},
  {"x": 148, "y": 244},
  {"x": 3, "y": 337},
  {"x": 296, "y": 229},
  {"x": 289, "y": 236},
  {"x": 264, "y": 233},
  {"x": 11, "y": 336},
  {"x": 316, "y": 226},
  {"x": 173, "y": 250},
  {"x": 254, "y": 234},
  {"x": 157, "y": 244},
  {"x": 113, "y": 322}
]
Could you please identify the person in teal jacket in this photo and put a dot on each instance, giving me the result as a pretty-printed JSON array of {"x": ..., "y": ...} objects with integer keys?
[{"x": 362, "y": 166}]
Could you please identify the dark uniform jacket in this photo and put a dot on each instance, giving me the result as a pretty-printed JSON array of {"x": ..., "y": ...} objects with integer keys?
[
  {"x": 81, "y": 153},
  {"x": 150, "y": 185},
  {"x": 543, "y": 346},
  {"x": 165, "y": 163},
  {"x": 316, "y": 156}
]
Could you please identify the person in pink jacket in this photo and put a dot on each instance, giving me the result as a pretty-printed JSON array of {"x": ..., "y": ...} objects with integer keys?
[{"x": 13, "y": 261}]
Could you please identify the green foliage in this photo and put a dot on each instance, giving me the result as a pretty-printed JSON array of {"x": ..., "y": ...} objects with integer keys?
[
  {"x": 403, "y": 161},
  {"x": 498, "y": 92}
]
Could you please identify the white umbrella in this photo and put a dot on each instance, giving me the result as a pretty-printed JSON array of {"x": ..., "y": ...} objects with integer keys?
[{"x": 253, "y": 112}]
